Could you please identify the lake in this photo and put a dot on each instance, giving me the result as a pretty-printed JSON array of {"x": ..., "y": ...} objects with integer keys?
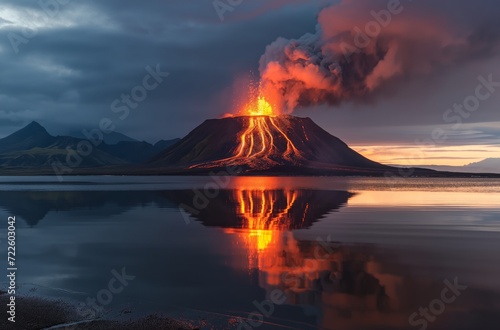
[{"x": 262, "y": 252}]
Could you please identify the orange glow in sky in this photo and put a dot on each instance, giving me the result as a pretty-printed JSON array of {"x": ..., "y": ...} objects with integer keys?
[{"x": 415, "y": 155}]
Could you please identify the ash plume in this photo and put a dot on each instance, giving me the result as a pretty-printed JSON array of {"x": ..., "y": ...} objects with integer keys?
[{"x": 362, "y": 47}]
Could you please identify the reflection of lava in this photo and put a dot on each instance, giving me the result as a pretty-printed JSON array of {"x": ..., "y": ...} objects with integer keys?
[
  {"x": 261, "y": 214},
  {"x": 225, "y": 210},
  {"x": 264, "y": 220},
  {"x": 265, "y": 235},
  {"x": 309, "y": 273}
]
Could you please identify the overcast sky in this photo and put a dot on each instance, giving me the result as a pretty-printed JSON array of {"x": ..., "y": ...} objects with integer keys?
[{"x": 64, "y": 67}]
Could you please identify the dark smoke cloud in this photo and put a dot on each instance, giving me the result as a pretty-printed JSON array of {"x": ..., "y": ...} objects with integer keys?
[{"x": 361, "y": 47}]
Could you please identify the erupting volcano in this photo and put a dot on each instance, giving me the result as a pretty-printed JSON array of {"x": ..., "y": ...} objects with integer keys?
[
  {"x": 265, "y": 135},
  {"x": 260, "y": 139},
  {"x": 338, "y": 62}
]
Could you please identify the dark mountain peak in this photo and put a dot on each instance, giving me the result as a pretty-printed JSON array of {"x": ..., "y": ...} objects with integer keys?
[
  {"x": 33, "y": 128},
  {"x": 30, "y": 136},
  {"x": 34, "y": 124}
]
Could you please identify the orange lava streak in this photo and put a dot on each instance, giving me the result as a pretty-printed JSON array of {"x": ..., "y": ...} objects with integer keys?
[
  {"x": 258, "y": 139},
  {"x": 290, "y": 147},
  {"x": 243, "y": 139}
]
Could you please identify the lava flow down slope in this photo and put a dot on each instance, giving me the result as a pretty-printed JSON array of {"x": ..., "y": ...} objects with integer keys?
[{"x": 263, "y": 143}]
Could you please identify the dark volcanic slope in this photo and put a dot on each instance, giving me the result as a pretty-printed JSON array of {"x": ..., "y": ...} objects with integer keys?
[
  {"x": 289, "y": 141},
  {"x": 212, "y": 140}
]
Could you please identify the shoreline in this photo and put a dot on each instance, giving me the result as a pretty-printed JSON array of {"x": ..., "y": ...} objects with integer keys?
[
  {"x": 396, "y": 173},
  {"x": 44, "y": 313}
]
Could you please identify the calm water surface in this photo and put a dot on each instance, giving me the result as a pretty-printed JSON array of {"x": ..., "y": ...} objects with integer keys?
[{"x": 333, "y": 253}]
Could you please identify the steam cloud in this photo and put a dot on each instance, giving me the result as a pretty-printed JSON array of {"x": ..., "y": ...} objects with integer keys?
[{"x": 361, "y": 47}]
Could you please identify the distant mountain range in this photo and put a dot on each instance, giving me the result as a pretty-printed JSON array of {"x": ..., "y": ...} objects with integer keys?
[
  {"x": 488, "y": 165},
  {"x": 33, "y": 147}
]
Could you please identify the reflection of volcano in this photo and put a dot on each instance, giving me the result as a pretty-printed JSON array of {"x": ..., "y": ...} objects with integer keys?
[
  {"x": 283, "y": 209},
  {"x": 260, "y": 218},
  {"x": 340, "y": 282}
]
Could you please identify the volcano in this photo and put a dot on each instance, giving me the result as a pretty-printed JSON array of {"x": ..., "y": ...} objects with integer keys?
[{"x": 272, "y": 144}]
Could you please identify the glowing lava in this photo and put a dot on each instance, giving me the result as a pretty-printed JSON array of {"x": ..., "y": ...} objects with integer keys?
[
  {"x": 259, "y": 107},
  {"x": 264, "y": 132},
  {"x": 266, "y": 138},
  {"x": 258, "y": 140}
]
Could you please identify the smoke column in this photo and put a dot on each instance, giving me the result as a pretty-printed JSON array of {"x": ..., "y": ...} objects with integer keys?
[{"x": 360, "y": 48}]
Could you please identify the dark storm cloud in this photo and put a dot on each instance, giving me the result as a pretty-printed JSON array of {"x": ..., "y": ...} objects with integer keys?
[{"x": 90, "y": 53}]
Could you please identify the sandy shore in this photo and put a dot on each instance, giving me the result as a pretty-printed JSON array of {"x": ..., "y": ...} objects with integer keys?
[{"x": 38, "y": 313}]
